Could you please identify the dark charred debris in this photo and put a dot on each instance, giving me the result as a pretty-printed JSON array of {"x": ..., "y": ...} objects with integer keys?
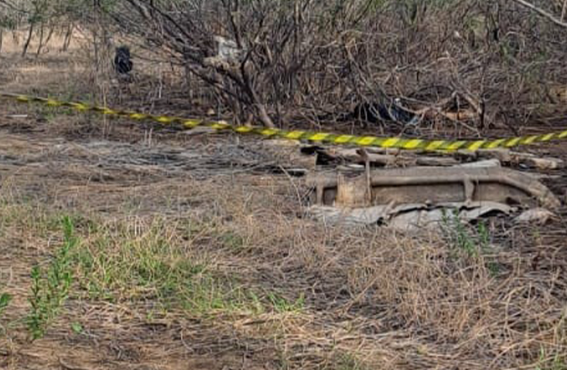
[{"x": 123, "y": 64}]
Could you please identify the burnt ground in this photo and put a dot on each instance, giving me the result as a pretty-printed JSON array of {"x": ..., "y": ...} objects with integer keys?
[{"x": 189, "y": 252}]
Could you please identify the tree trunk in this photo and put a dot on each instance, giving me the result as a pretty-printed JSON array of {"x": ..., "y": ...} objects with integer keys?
[
  {"x": 27, "y": 44},
  {"x": 49, "y": 35},
  {"x": 264, "y": 116},
  {"x": 40, "y": 44},
  {"x": 68, "y": 35}
]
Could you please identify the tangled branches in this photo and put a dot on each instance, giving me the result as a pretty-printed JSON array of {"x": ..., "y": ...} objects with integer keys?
[{"x": 471, "y": 63}]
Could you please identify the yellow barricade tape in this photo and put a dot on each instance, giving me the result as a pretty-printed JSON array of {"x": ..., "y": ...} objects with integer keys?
[{"x": 322, "y": 137}]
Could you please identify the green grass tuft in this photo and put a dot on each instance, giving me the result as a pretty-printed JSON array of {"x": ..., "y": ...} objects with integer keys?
[{"x": 50, "y": 288}]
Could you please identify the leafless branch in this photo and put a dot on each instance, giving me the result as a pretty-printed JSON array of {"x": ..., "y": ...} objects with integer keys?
[{"x": 542, "y": 13}]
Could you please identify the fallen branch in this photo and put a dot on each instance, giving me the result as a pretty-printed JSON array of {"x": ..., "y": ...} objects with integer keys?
[{"x": 542, "y": 12}]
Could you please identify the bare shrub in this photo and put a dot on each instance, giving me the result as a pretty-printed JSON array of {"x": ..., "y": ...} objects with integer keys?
[
  {"x": 481, "y": 62},
  {"x": 465, "y": 64}
]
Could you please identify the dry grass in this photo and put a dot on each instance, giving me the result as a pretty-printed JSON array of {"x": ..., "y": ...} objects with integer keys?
[{"x": 187, "y": 259}]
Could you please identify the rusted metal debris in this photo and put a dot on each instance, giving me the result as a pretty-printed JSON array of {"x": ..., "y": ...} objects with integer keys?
[
  {"x": 407, "y": 217},
  {"x": 419, "y": 197},
  {"x": 395, "y": 158},
  {"x": 431, "y": 185}
]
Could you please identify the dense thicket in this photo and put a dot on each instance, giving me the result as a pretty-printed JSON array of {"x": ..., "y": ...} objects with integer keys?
[{"x": 479, "y": 62}]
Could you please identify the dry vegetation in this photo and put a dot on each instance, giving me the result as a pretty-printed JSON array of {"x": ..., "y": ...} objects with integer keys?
[
  {"x": 126, "y": 247},
  {"x": 482, "y": 63}
]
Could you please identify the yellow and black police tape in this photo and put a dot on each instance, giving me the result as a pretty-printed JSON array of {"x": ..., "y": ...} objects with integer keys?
[{"x": 321, "y": 137}]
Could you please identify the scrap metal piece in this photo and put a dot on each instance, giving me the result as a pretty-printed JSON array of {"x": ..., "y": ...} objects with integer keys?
[
  {"x": 434, "y": 185},
  {"x": 538, "y": 216},
  {"x": 408, "y": 217}
]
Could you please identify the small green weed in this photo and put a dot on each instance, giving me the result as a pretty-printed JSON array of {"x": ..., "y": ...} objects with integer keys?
[
  {"x": 233, "y": 241},
  {"x": 51, "y": 288},
  {"x": 348, "y": 361},
  {"x": 556, "y": 362},
  {"x": 5, "y": 300},
  {"x": 282, "y": 305},
  {"x": 473, "y": 242},
  {"x": 76, "y": 327}
]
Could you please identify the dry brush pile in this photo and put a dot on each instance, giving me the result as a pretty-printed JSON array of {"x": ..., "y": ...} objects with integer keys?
[
  {"x": 468, "y": 65},
  {"x": 474, "y": 64}
]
